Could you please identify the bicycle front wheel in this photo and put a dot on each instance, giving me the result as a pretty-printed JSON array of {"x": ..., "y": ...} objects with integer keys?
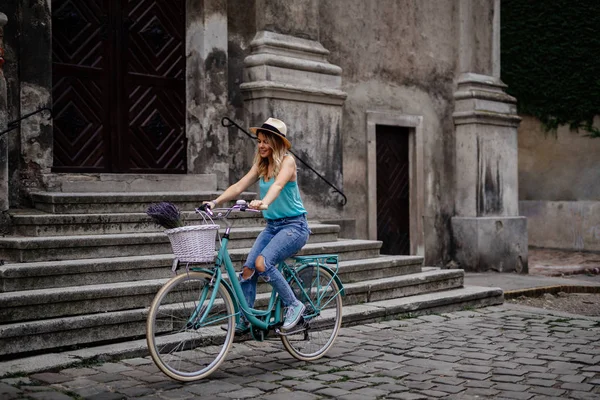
[
  {"x": 320, "y": 293},
  {"x": 183, "y": 326}
]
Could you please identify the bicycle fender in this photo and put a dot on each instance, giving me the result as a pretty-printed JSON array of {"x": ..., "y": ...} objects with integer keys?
[
  {"x": 335, "y": 276},
  {"x": 227, "y": 286}
]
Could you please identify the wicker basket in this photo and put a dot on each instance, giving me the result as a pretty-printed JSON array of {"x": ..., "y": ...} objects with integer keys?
[{"x": 194, "y": 243}]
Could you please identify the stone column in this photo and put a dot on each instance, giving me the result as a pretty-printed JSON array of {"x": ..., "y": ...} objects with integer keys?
[
  {"x": 488, "y": 233},
  {"x": 3, "y": 123},
  {"x": 206, "y": 88},
  {"x": 287, "y": 76}
]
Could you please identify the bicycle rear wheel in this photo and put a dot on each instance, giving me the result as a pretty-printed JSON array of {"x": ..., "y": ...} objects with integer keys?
[
  {"x": 183, "y": 334},
  {"x": 320, "y": 293}
]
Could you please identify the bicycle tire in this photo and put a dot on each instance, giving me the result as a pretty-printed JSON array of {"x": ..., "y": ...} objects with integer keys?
[
  {"x": 179, "y": 346},
  {"x": 316, "y": 334}
]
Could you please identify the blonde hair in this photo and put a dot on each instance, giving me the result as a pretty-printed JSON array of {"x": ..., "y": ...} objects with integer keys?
[{"x": 279, "y": 151}]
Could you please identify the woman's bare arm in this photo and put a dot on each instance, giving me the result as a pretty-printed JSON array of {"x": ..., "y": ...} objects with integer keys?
[{"x": 233, "y": 191}]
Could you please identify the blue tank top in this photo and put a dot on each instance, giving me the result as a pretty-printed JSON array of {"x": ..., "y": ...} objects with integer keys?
[{"x": 287, "y": 204}]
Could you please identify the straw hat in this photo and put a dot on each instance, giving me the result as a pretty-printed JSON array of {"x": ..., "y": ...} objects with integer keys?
[{"x": 276, "y": 127}]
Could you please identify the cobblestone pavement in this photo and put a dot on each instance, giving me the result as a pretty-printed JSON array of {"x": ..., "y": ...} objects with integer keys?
[{"x": 506, "y": 352}]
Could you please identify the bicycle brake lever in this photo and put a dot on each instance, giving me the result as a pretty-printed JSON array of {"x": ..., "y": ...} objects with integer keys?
[{"x": 205, "y": 208}]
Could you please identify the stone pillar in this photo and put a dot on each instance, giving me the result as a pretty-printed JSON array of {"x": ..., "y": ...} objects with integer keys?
[
  {"x": 287, "y": 76},
  {"x": 206, "y": 88},
  {"x": 3, "y": 122},
  {"x": 488, "y": 233}
]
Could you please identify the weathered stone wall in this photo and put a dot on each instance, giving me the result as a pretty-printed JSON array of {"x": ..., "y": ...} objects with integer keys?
[
  {"x": 35, "y": 90},
  {"x": 241, "y": 30},
  {"x": 570, "y": 225},
  {"x": 559, "y": 190},
  {"x": 11, "y": 74},
  {"x": 557, "y": 166},
  {"x": 4, "y": 203},
  {"x": 206, "y": 88},
  {"x": 400, "y": 57},
  {"x": 396, "y": 56},
  {"x": 299, "y": 18}
]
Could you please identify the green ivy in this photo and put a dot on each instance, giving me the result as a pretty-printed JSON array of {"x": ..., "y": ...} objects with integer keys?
[{"x": 550, "y": 52}]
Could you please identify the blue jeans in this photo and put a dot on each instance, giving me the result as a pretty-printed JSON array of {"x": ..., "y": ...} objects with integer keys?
[{"x": 281, "y": 239}]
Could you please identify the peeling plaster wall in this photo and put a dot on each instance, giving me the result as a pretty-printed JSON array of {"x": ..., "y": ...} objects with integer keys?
[
  {"x": 298, "y": 18},
  {"x": 35, "y": 69},
  {"x": 206, "y": 80},
  {"x": 11, "y": 74},
  {"x": 4, "y": 203},
  {"x": 242, "y": 28},
  {"x": 397, "y": 56}
]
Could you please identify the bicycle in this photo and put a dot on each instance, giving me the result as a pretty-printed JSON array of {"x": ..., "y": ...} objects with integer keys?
[{"x": 184, "y": 328}]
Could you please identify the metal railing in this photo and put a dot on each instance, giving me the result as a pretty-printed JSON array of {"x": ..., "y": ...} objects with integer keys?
[
  {"x": 227, "y": 122},
  {"x": 17, "y": 122}
]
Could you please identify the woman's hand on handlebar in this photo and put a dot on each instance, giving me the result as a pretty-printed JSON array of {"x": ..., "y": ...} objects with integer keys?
[
  {"x": 207, "y": 207},
  {"x": 258, "y": 205},
  {"x": 210, "y": 204}
]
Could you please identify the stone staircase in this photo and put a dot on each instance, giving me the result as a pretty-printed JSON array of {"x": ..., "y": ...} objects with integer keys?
[{"x": 81, "y": 268}]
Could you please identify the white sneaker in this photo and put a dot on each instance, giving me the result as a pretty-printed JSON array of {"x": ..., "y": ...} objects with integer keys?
[{"x": 293, "y": 315}]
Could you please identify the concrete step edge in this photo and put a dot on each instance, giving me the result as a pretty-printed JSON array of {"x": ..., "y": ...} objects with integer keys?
[
  {"x": 353, "y": 315},
  {"x": 110, "y": 239},
  {"x": 122, "y": 289},
  {"x": 128, "y": 197},
  {"x": 36, "y": 217},
  {"x": 96, "y": 320},
  {"x": 418, "y": 278},
  {"x": 45, "y": 268}
]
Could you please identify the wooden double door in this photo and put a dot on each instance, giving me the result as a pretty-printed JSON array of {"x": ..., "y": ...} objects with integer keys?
[{"x": 118, "y": 73}]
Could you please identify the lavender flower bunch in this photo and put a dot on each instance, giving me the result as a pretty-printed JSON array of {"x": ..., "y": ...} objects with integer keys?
[{"x": 165, "y": 214}]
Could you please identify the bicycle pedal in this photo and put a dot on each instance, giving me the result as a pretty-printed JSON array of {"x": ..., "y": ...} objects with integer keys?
[{"x": 298, "y": 329}]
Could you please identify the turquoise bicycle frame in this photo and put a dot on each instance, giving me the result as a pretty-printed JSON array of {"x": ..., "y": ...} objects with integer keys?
[{"x": 234, "y": 288}]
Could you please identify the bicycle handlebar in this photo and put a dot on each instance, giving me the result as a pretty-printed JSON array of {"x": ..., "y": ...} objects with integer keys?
[{"x": 240, "y": 205}]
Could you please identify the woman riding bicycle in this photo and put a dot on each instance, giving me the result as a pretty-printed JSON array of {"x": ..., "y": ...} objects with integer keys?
[{"x": 286, "y": 230}]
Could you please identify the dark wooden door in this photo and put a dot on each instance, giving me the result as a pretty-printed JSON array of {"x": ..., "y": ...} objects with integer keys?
[
  {"x": 393, "y": 202},
  {"x": 118, "y": 86}
]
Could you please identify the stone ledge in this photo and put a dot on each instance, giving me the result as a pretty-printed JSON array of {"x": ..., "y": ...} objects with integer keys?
[
  {"x": 66, "y": 182},
  {"x": 266, "y": 40},
  {"x": 292, "y": 63},
  {"x": 271, "y": 90},
  {"x": 486, "y": 118}
]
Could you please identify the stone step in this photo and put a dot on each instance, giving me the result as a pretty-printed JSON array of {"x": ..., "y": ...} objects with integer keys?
[
  {"x": 88, "y": 299},
  {"x": 31, "y": 249},
  {"x": 85, "y": 330},
  {"x": 51, "y": 274},
  {"x": 97, "y": 183},
  {"x": 29, "y": 222},
  {"x": 120, "y": 202},
  {"x": 413, "y": 306}
]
